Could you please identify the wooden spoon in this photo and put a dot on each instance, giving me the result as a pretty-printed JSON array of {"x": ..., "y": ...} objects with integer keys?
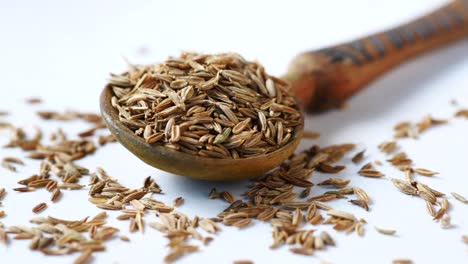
[
  {"x": 320, "y": 79},
  {"x": 326, "y": 78}
]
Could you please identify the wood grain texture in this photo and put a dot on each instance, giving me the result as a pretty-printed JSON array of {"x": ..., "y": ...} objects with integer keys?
[{"x": 325, "y": 78}]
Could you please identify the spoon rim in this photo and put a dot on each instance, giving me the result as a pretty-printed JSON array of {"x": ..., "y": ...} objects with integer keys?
[{"x": 111, "y": 118}]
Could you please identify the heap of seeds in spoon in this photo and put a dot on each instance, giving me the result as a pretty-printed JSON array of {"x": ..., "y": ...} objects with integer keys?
[{"x": 217, "y": 106}]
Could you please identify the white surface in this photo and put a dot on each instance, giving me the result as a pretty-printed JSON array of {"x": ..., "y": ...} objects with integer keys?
[{"x": 64, "y": 51}]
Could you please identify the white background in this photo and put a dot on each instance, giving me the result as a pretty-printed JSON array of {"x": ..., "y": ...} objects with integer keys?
[{"x": 63, "y": 51}]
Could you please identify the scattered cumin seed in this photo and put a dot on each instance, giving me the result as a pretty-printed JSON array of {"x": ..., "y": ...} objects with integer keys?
[
  {"x": 465, "y": 239},
  {"x": 385, "y": 231},
  {"x": 371, "y": 173},
  {"x": 341, "y": 214},
  {"x": 402, "y": 261},
  {"x": 337, "y": 183},
  {"x": 361, "y": 194},
  {"x": 34, "y": 100},
  {"x": 425, "y": 172},
  {"x": 388, "y": 146},
  {"x": 360, "y": 203},
  {"x": 459, "y": 197},
  {"x": 38, "y": 208},
  {"x": 177, "y": 202},
  {"x": 302, "y": 251},
  {"x": 124, "y": 238},
  {"x": 445, "y": 221},
  {"x": 84, "y": 258},
  {"x": 243, "y": 262},
  {"x": 404, "y": 187},
  {"x": 310, "y": 134},
  {"x": 358, "y": 157},
  {"x": 462, "y": 113}
]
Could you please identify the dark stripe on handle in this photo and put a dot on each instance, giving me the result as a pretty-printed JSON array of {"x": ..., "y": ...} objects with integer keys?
[
  {"x": 424, "y": 28},
  {"x": 378, "y": 45},
  {"x": 449, "y": 18},
  {"x": 457, "y": 17},
  {"x": 444, "y": 20},
  {"x": 337, "y": 55},
  {"x": 359, "y": 47},
  {"x": 407, "y": 34},
  {"x": 395, "y": 38}
]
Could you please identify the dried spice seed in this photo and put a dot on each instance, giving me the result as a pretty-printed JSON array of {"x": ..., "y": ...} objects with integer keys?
[
  {"x": 445, "y": 221},
  {"x": 33, "y": 100},
  {"x": 388, "y": 146},
  {"x": 327, "y": 168},
  {"x": 302, "y": 251},
  {"x": 459, "y": 197},
  {"x": 225, "y": 100},
  {"x": 358, "y": 157},
  {"x": 425, "y": 172},
  {"x": 38, "y": 208},
  {"x": 243, "y": 262},
  {"x": 465, "y": 239},
  {"x": 84, "y": 257},
  {"x": 177, "y": 202},
  {"x": 389, "y": 232},
  {"x": 404, "y": 187},
  {"x": 360, "y": 203},
  {"x": 402, "y": 261},
  {"x": 371, "y": 173},
  {"x": 361, "y": 194},
  {"x": 337, "y": 183},
  {"x": 462, "y": 113},
  {"x": 310, "y": 134}
]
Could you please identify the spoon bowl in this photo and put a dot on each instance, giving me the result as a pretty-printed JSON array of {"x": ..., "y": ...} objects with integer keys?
[{"x": 184, "y": 164}]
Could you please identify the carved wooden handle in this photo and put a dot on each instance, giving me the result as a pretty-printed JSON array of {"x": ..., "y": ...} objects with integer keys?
[{"x": 326, "y": 78}]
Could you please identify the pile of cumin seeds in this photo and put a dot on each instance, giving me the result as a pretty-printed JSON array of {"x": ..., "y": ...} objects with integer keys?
[{"x": 217, "y": 106}]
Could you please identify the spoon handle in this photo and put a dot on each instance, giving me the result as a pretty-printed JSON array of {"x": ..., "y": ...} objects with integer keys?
[{"x": 325, "y": 78}]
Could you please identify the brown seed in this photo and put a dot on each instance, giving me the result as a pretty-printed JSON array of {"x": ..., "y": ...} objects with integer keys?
[
  {"x": 459, "y": 197},
  {"x": 445, "y": 221},
  {"x": 178, "y": 252},
  {"x": 388, "y": 146},
  {"x": 358, "y": 157},
  {"x": 341, "y": 214},
  {"x": 430, "y": 209},
  {"x": 385, "y": 231},
  {"x": 243, "y": 262},
  {"x": 425, "y": 172},
  {"x": 327, "y": 168},
  {"x": 360, "y": 203},
  {"x": 361, "y": 194},
  {"x": 337, "y": 183},
  {"x": 404, "y": 187},
  {"x": 302, "y": 251},
  {"x": 84, "y": 257},
  {"x": 55, "y": 195},
  {"x": 38, "y": 208},
  {"x": 310, "y": 134},
  {"x": 371, "y": 173},
  {"x": 402, "y": 261},
  {"x": 177, "y": 202},
  {"x": 465, "y": 239}
]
